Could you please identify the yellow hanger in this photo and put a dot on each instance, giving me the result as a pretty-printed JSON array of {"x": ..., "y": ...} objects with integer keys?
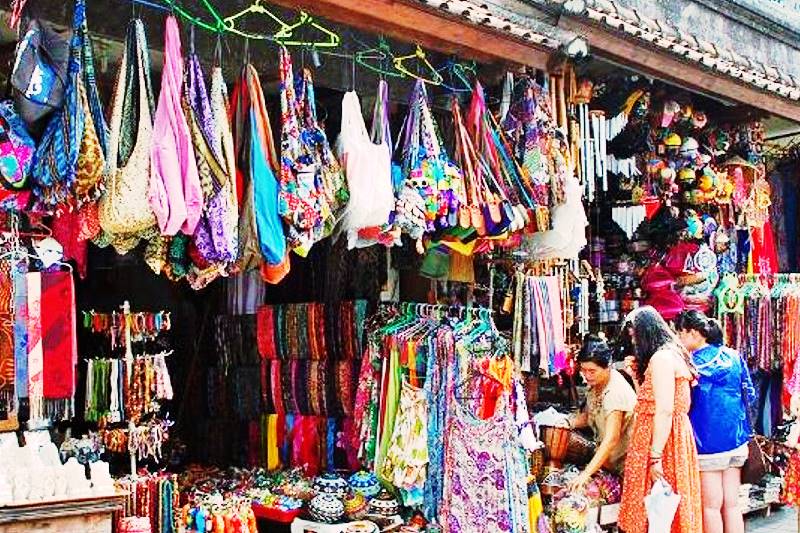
[
  {"x": 434, "y": 79},
  {"x": 286, "y": 33},
  {"x": 256, "y": 8}
]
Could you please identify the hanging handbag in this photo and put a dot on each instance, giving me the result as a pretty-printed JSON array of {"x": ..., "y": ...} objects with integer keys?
[
  {"x": 55, "y": 162},
  {"x": 39, "y": 77},
  {"x": 125, "y": 211},
  {"x": 756, "y": 465},
  {"x": 16, "y": 148}
]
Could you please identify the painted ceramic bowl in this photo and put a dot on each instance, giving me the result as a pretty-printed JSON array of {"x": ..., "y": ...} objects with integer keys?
[
  {"x": 326, "y": 508},
  {"x": 363, "y": 526},
  {"x": 330, "y": 483},
  {"x": 366, "y": 483},
  {"x": 355, "y": 505},
  {"x": 384, "y": 505}
]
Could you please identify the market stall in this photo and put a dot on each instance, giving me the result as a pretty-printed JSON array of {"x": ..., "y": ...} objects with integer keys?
[{"x": 229, "y": 305}]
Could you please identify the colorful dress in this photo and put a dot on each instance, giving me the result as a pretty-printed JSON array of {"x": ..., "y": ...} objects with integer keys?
[
  {"x": 791, "y": 490},
  {"x": 485, "y": 474},
  {"x": 681, "y": 467},
  {"x": 406, "y": 463}
]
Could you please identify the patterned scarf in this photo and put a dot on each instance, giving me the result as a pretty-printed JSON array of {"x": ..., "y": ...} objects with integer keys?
[
  {"x": 7, "y": 372},
  {"x": 52, "y": 344}
]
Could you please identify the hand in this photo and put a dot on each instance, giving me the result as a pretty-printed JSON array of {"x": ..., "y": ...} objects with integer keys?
[
  {"x": 631, "y": 367},
  {"x": 656, "y": 471},
  {"x": 579, "y": 483}
]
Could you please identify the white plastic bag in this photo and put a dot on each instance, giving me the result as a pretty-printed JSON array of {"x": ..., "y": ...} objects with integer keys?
[{"x": 661, "y": 505}]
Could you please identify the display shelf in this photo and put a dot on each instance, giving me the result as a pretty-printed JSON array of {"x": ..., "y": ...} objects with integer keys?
[{"x": 81, "y": 515}]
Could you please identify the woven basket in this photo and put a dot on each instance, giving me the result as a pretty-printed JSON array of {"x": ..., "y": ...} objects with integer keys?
[{"x": 580, "y": 450}]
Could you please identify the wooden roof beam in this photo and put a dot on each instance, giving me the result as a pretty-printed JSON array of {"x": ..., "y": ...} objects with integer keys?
[
  {"x": 666, "y": 66},
  {"x": 429, "y": 27}
]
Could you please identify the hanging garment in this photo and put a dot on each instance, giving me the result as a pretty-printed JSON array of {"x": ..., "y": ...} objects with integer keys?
[
  {"x": 263, "y": 163},
  {"x": 368, "y": 169},
  {"x": 485, "y": 473},
  {"x": 175, "y": 193},
  {"x": 21, "y": 332},
  {"x": 312, "y": 189},
  {"x": 124, "y": 212},
  {"x": 208, "y": 239},
  {"x": 407, "y": 458},
  {"x": 222, "y": 143},
  {"x": 7, "y": 365},
  {"x": 567, "y": 237}
]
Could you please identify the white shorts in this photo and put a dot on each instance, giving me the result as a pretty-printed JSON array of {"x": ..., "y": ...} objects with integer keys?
[{"x": 715, "y": 462}]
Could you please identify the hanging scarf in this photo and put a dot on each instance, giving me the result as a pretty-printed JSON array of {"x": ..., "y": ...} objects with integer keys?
[
  {"x": 263, "y": 163},
  {"x": 59, "y": 343},
  {"x": 7, "y": 370},
  {"x": 21, "y": 332},
  {"x": 210, "y": 244}
]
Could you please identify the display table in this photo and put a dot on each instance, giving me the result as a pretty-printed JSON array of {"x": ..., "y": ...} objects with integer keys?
[{"x": 84, "y": 515}]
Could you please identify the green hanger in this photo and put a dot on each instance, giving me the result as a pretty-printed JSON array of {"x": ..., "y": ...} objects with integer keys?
[
  {"x": 382, "y": 54},
  {"x": 434, "y": 78},
  {"x": 459, "y": 75},
  {"x": 256, "y": 8},
  {"x": 195, "y": 20},
  {"x": 285, "y": 35}
]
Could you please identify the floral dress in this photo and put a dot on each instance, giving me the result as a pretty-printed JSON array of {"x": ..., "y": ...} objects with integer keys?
[
  {"x": 407, "y": 459},
  {"x": 485, "y": 474},
  {"x": 681, "y": 468}
]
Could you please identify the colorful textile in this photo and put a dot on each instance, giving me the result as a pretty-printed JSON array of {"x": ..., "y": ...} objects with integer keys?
[
  {"x": 791, "y": 489},
  {"x": 485, "y": 478},
  {"x": 35, "y": 349},
  {"x": 312, "y": 188},
  {"x": 59, "y": 340},
  {"x": 7, "y": 371},
  {"x": 681, "y": 467},
  {"x": 21, "y": 331},
  {"x": 175, "y": 193},
  {"x": 407, "y": 459}
]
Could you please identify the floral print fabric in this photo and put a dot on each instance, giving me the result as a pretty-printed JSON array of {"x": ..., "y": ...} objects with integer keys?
[
  {"x": 485, "y": 477},
  {"x": 681, "y": 468}
]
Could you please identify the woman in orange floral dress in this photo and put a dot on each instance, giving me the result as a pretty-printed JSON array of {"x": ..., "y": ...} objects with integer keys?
[{"x": 662, "y": 443}]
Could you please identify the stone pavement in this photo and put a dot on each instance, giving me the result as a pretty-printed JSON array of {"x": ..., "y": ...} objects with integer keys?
[{"x": 781, "y": 521}]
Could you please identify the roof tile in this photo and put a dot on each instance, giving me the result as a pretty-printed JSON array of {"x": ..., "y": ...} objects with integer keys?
[{"x": 685, "y": 44}]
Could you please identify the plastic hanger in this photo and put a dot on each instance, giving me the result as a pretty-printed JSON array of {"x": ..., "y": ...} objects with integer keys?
[
  {"x": 382, "y": 54},
  {"x": 193, "y": 19},
  {"x": 285, "y": 35},
  {"x": 400, "y": 64},
  {"x": 256, "y": 8},
  {"x": 458, "y": 76}
]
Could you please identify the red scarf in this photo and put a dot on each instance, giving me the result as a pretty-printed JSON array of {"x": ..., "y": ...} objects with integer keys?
[{"x": 59, "y": 342}]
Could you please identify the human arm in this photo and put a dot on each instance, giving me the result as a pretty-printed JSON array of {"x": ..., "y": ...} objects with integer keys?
[
  {"x": 613, "y": 434},
  {"x": 579, "y": 421},
  {"x": 662, "y": 367}
]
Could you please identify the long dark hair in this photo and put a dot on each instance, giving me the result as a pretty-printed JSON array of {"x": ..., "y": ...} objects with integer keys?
[
  {"x": 650, "y": 333},
  {"x": 709, "y": 328},
  {"x": 595, "y": 350}
]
